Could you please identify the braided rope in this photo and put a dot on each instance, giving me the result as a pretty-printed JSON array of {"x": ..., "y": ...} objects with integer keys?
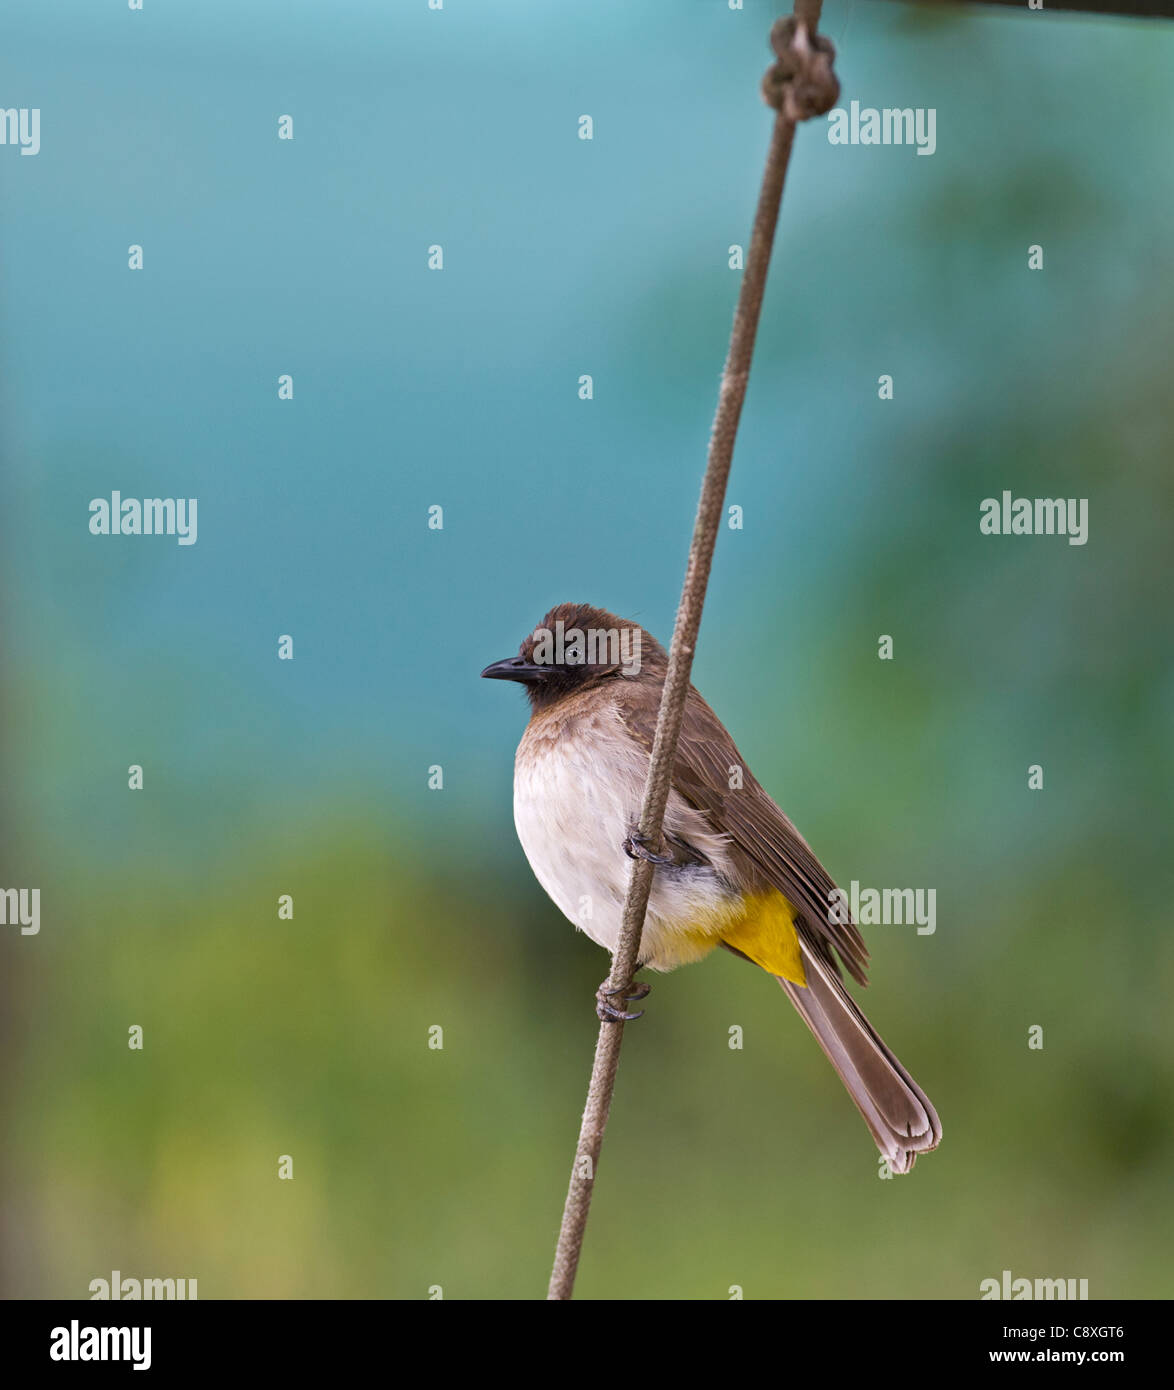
[{"x": 801, "y": 84}]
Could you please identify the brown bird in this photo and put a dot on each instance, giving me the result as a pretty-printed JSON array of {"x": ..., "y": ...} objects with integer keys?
[{"x": 733, "y": 871}]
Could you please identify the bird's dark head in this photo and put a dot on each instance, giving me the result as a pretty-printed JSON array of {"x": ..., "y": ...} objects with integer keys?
[{"x": 576, "y": 647}]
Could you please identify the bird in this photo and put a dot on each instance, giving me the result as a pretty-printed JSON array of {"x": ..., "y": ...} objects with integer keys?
[{"x": 732, "y": 872}]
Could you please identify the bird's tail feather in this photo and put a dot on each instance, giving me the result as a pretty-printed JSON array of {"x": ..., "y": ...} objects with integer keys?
[{"x": 895, "y": 1108}]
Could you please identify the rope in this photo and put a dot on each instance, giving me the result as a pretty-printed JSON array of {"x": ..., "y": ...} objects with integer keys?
[{"x": 800, "y": 84}]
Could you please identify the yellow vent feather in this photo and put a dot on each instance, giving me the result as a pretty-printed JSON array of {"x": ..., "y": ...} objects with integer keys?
[{"x": 765, "y": 933}]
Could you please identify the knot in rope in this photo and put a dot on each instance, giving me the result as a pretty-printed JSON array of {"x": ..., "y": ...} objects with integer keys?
[{"x": 801, "y": 84}]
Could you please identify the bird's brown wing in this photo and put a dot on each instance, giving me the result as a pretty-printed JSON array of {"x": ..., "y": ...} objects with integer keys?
[{"x": 764, "y": 842}]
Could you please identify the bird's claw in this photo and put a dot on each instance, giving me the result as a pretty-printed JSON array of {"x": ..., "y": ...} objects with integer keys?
[
  {"x": 636, "y": 847},
  {"x": 607, "y": 1012}
]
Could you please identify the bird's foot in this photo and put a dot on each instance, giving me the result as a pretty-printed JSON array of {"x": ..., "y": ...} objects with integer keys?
[
  {"x": 608, "y": 1012},
  {"x": 636, "y": 847}
]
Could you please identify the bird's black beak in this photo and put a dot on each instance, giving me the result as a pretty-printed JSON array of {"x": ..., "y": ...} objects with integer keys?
[{"x": 515, "y": 668}]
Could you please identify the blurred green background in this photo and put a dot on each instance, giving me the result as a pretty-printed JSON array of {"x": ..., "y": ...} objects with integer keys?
[{"x": 416, "y": 1167}]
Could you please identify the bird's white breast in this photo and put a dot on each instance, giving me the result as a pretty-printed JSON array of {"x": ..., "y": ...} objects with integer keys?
[{"x": 578, "y": 784}]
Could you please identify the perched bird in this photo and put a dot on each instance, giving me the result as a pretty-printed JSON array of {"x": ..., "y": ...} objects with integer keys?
[{"x": 732, "y": 872}]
